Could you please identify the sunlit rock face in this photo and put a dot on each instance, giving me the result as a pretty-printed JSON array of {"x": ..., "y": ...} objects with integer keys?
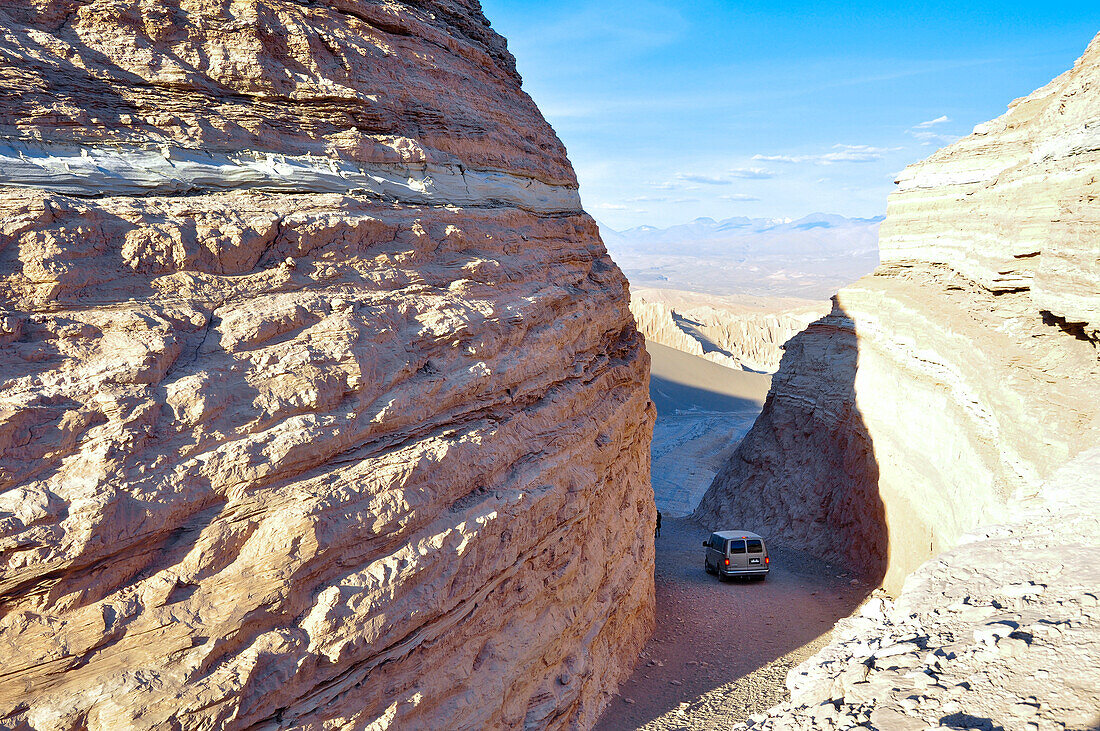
[
  {"x": 738, "y": 336},
  {"x": 1012, "y": 207},
  {"x": 321, "y": 403},
  {"x": 951, "y": 382}
]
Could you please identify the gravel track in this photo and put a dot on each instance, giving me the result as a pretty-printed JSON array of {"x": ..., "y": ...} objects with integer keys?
[{"x": 721, "y": 650}]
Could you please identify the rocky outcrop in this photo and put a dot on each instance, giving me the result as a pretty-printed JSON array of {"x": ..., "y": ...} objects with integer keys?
[
  {"x": 943, "y": 408},
  {"x": 806, "y": 469},
  {"x": 974, "y": 641},
  {"x": 944, "y": 384},
  {"x": 1012, "y": 207},
  {"x": 322, "y": 404},
  {"x": 735, "y": 334}
]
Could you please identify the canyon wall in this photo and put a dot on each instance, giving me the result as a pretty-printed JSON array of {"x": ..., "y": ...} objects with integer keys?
[
  {"x": 321, "y": 404},
  {"x": 744, "y": 335},
  {"x": 951, "y": 382}
]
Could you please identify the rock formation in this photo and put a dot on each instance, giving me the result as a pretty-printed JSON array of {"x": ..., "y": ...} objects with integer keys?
[
  {"x": 949, "y": 392},
  {"x": 321, "y": 401},
  {"x": 742, "y": 335}
]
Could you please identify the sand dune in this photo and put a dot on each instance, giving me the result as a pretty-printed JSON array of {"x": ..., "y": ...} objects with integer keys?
[
  {"x": 703, "y": 411},
  {"x": 683, "y": 382}
]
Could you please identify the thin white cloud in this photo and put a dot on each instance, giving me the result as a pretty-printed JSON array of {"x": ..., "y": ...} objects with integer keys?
[
  {"x": 923, "y": 132},
  {"x": 855, "y": 153},
  {"x": 839, "y": 153},
  {"x": 611, "y": 207},
  {"x": 739, "y": 197},
  {"x": 692, "y": 181},
  {"x": 704, "y": 179},
  {"x": 751, "y": 173},
  {"x": 784, "y": 158},
  {"x": 932, "y": 122},
  {"x": 929, "y": 138}
]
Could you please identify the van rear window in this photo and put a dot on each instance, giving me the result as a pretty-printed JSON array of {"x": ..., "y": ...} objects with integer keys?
[
  {"x": 737, "y": 546},
  {"x": 755, "y": 546}
]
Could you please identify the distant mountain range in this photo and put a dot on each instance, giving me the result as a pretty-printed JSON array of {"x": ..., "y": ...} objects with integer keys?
[{"x": 810, "y": 257}]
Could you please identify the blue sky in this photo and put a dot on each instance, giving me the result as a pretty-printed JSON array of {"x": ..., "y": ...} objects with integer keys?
[{"x": 676, "y": 110}]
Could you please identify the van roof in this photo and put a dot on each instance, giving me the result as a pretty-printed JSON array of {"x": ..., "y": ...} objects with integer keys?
[{"x": 727, "y": 534}]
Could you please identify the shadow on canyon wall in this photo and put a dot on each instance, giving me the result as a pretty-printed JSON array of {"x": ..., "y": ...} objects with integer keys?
[{"x": 806, "y": 477}]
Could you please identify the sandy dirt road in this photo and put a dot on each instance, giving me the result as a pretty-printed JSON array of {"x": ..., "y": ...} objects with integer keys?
[{"x": 721, "y": 650}]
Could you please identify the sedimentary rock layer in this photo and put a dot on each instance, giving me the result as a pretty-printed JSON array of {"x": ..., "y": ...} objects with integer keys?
[
  {"x": 1012, "y": 207},
  {"x": 167, "y": 169},
  {"x": 955, "y": 377},
  {"x": 357, "y": 81},
  {"x": 737, "y": 335},
  {"x": 306, "y": 453}
]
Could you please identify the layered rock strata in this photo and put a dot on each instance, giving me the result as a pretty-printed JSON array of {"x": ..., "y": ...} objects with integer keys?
[
  {"x": 737, "y": 335},
  {"x": 322, "y": 404},
  {"x": 953, "y": 378},
  {"x": 1012, "y": 207},
  {"x": 944, "y": 407}
]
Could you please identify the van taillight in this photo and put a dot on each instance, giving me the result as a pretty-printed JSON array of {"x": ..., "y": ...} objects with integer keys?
[
  {"x": 727, "y": 562},
  {"x": 767, "y": 560}
]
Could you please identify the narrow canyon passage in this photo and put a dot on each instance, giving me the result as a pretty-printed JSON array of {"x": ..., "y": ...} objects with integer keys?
[{"x": 721, "y": 650}]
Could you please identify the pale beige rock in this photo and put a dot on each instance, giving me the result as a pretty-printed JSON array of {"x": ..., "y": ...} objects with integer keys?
[
  {"x": 741, "y": 333},
  {"x": 311, "y": 459},
  {"x": 1012, "y": 207},
  {"x": 962, "y": 646}
]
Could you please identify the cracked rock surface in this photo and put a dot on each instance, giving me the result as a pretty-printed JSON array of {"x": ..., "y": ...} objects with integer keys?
[
  {"x": 1002, "y": 631},
  {"x": 279, "y": 457}
]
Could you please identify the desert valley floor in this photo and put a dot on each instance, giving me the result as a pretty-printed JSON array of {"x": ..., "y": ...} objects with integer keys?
[{"x": 721, "y": 650}]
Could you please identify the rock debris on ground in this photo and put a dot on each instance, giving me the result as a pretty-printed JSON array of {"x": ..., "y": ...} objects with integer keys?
[{"x": 721, "y": 650}]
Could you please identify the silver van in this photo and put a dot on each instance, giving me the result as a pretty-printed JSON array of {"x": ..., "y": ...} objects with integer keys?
[{"x": 736, "y": 553}]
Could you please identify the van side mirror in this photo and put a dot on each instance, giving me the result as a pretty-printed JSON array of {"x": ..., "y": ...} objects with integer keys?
[{"x": 706, "y": 544}]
